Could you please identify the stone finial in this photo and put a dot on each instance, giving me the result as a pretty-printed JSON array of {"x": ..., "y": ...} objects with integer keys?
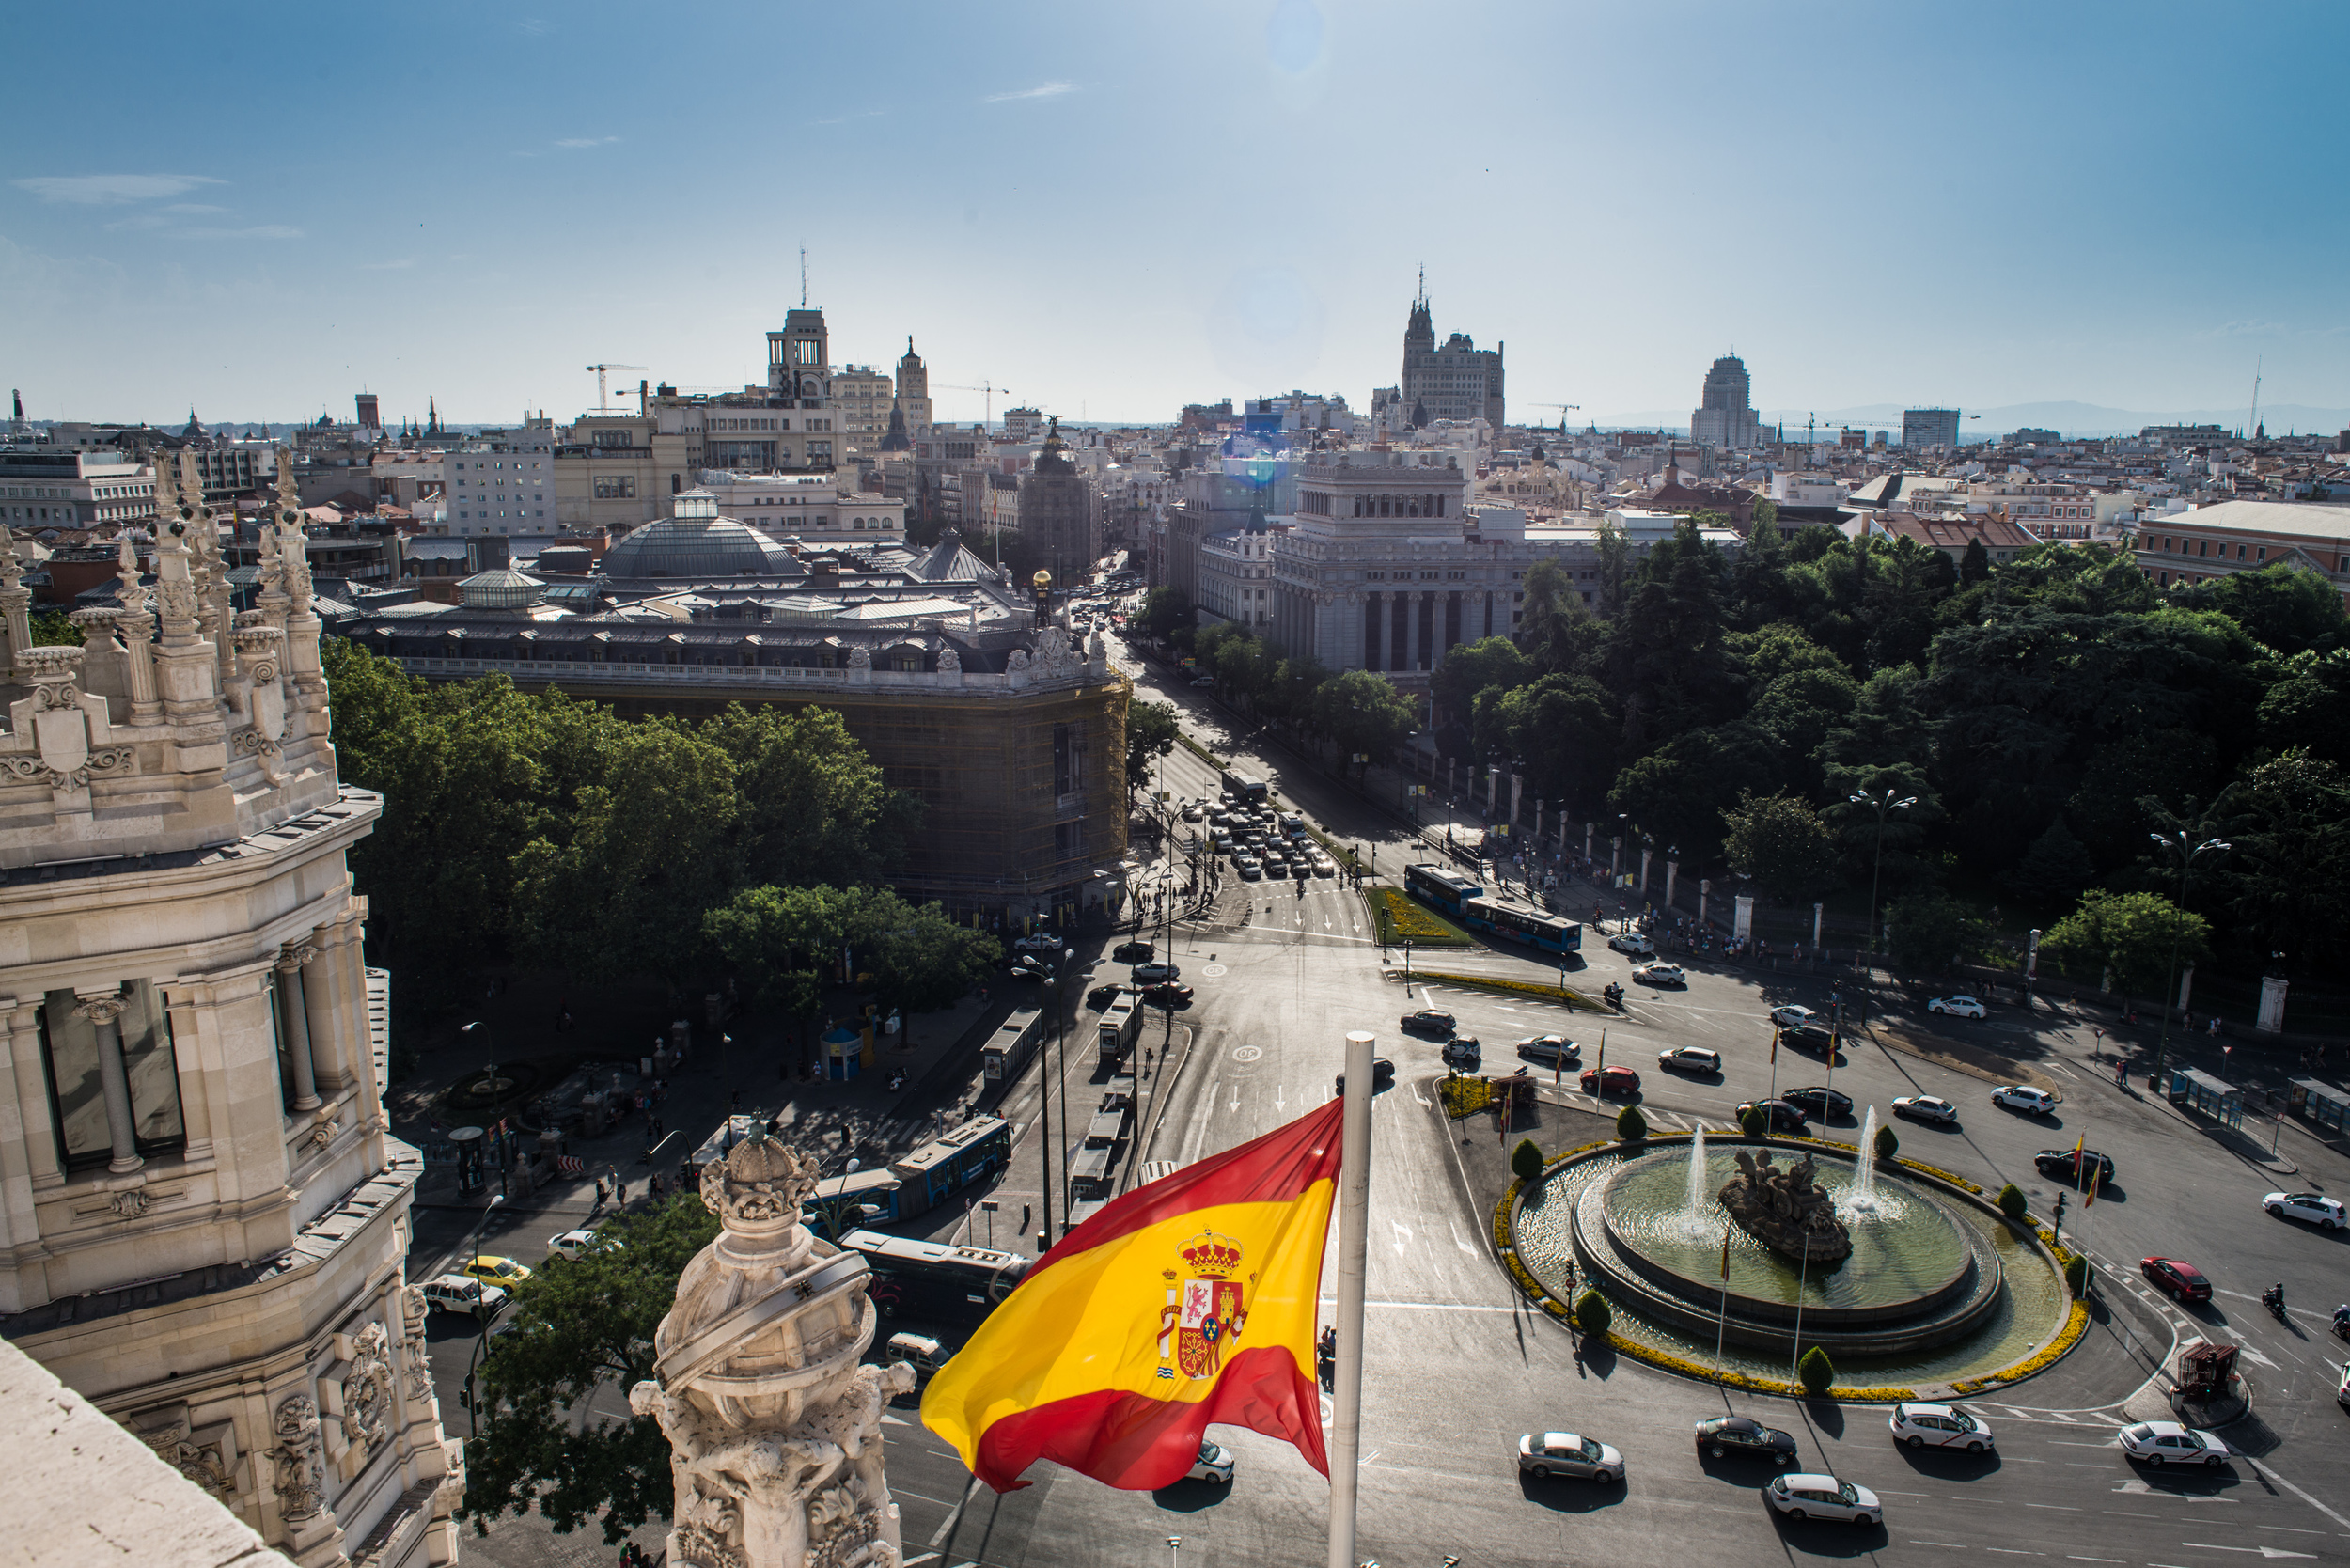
[{"x": 760, "y": 1187}]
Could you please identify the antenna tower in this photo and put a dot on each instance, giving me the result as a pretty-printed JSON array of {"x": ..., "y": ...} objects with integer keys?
[
  {"x": 803, "y": 277},
  {"x": 2257, "y": 362}
]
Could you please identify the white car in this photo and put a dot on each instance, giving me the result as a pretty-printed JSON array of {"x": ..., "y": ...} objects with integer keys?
[
  {"x": 575, "y": 1245},
  {"x": 1213, "y": 1466},
  {"x": 1632, "y": 942},
  {"x": 1956, "y": 1007},
  {"x": 1038, "y": 942},
  {"x": 2169, "y": 1443},
  {"x": 454, "y": 1293},
  {"x": 1925, "y": 1107},
  {"x": 2022, "y": 1097},
  {"x": 1818, "y": 1497},
  {"x": 1938, "y": 1426},
  {"x": 1791, "y": 1017},
  {"x": 1660, "y": 973},
  {"x": 2315, "y": 1208},
  {"x": 1545, "y": 1454}
]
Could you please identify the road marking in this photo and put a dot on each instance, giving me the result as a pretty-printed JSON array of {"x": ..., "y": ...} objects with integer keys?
[
  {"x": 2264, "y": 1551},
  {"x": 2058, "y": 1507},
  {"x": 1952, "y": 1545},
  {"x": 2267, "y": 1474},
  {"x": 2014, "y": 1551},
  {"x": 918, "y": 1561},
  {"x": 2068, "y": 1557},
  {"x": 1247, "y": 1053},
  {"x": 946, "y": 1526}
]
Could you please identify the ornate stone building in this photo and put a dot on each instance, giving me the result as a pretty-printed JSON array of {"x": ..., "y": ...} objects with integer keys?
[
  {"x": 1459, "y": 381},
  {"x": 202, "y": 1218}
]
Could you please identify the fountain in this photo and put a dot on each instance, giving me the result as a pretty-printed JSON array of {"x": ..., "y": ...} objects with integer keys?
[
  {"x": 1786, "y": 1210},
  {"x": 1700, "y": 1199},
  {"x": 1863, "y": 1197}
]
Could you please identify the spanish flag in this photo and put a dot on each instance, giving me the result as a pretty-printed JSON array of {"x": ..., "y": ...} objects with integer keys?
[{"x": 1187, "y": 1302}]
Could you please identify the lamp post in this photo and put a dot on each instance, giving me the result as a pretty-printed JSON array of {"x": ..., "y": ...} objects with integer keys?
[
  {"x": 2179, "y": 843},
  {"x": 1881, "y": 803},
  {"x": 472, "y": 1362}
]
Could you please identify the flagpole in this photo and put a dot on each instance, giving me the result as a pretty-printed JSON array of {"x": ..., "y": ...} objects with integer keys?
[{"x": 1346, "y": 1386}]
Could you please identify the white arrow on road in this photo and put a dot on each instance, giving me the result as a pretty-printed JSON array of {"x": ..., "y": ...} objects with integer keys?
[{"x": 2264, "y": 1551}]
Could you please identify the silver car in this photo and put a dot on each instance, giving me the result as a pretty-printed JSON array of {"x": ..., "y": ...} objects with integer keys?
[
  {"x": 1818, "y": 1497},
  {"x": 2169, "y": 1443},
  {"x": 1542, "y": 1455}
]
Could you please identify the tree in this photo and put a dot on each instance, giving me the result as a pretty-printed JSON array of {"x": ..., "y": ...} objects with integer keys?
[
  {"x": 1364, "y": 714},
  {"x": 1932, "y": 931},
  {"x": 1561, "y": 729},
  {"x": 1817, "y": 1370},
  {"x": 1525, "y": 1160},
  {"x": 2053, "y": 872},
  {"x": 575, "y": 1328},
  {"x": 54, "y": 629},
  {"x": 2076, "y": 1274},
  {"x": 1679, "y": 792},
  {"x": 2012, "y": 1202},
  {"x": 1151, "y": 731},
  {"x": 1975, "y": 565},
  {"x": 812, "y": 805},
  {"x": 2287, "y": 881},
  {"x": 1166, "y": 610},
  {"x": 1471, "y": 667},
  {"x": 1631, "y": 1125},
  {"x": 2132, "y": 934},
  {"x": 1888, "y": 1142},
  {"x": 2282, "y": 606},
  {"x": 1552, "y": 618},
  {"x": 1780, "y": 842},
  {"x": 1593, "y": 1314},
  {"x": 920, "y": 960},
  {"x": 1755, "y": 1122},
  {"x": 2308, "y": 706}
]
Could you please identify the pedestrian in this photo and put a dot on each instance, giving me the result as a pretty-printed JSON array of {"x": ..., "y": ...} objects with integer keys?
[
  {"x": 621, "y": 1195},
  {"x": 602, "y": 1193}
]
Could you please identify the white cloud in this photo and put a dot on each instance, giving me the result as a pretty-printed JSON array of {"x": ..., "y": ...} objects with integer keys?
[
  {"x": 384, "y": 266},
  {"x": 259, "y": 232},
  {"x": 1047, "y": 89},
  {"x": 193, "y": 206},
  {"x": 586, "y": 141},
  {"x": 108, "y": 190}
]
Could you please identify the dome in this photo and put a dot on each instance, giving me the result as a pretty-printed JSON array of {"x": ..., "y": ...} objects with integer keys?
[
  {"x": 697, "y": 543},
  {"x": 500, "y": 590}
]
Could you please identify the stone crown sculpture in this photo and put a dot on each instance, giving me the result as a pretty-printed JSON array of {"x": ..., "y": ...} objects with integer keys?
[{"x": 1786, "y": 1210}]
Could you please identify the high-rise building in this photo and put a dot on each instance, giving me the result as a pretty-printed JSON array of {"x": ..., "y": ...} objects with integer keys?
[
  {"x": 203, "y": 1219},
  {"x": 370, "y": 419},
  {"x": 860, "y": 403},
  {"x": 1925, "y": 429},
  {"x": 1459, "y": 381},
  {"x": 1724, "y": 414},
  {"x": 1057, "y": 512},
  {"x": 914, "y": 392}
]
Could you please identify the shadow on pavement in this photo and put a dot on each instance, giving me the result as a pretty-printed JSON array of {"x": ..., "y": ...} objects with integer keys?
[
  {"x": 1191, "y": 1497},
  {"x": 1561, "y": 1495}
]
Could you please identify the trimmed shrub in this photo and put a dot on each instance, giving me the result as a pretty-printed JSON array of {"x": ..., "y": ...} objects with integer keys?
[
  {"x": 1817, "y": 1372},
  {"x": 1755, "y": 1123},
  {"x": 2012, "y": 1202},
  {"x": 1592, "y": 1313},
  {"x": 2076, "y": 1275},
  {"x": 1889, "y": 1143},
  {"x": 1525, "y": 1161},
  {"x": 1631, "y": 1125}
]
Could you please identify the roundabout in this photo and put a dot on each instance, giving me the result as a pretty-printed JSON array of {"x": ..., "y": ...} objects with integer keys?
[{"x": 1907, "y": 1281}]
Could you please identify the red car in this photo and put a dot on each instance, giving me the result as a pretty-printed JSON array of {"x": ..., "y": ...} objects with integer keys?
[
  {"x": 2182, "y": 1280},
  {"x": 1620, "y": 1080}
]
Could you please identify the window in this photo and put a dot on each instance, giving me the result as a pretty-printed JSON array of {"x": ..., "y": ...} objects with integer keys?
[
  {"x": 606, "y": 438},
  {"x": 71, "y": 1043},
  {"x": 614, "y": 487},
  {"x": 806, "y": 351}
]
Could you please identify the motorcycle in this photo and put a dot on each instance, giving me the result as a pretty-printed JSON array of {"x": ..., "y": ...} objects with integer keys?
[
  {"x": 1614, "y": 994},
  {"x": 2342, "y": 1322},
  {"x": 2274, "y": 1299}
]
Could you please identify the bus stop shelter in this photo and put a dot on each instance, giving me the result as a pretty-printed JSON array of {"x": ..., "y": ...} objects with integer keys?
[
  {"x": 2321, "y": 1104},
  {"x": 2200, "y": 1092}
]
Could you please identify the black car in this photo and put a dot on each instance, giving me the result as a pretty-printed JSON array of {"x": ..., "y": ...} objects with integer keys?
[
  {"x": 1820, "y": 1101},
  {"x": 1168, "y": 994},
  {"x": 1133, "y": 952},
  {"x": 1812, "y": 1039},
  {"x": 1719, "y": 1436},
  {"x": 2058, "y": 1165},
  {"x": 1429, "y": 1020},
  {"x": 1382, "y": 1075},
  {"x": 1785, "y": 1118}
]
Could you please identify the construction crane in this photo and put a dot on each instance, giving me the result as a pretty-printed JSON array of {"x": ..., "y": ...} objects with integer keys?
[
  {"x": 1564, "y": 409},
  {"x": 989, "y": 387},
  {"x": 603, "y": 403}
]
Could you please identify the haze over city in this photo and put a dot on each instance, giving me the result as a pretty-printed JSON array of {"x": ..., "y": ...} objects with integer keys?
[{"x": 1113, "y": 211}]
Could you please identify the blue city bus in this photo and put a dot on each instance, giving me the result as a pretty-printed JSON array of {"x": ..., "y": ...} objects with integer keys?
[
  {"x": 935, "y": 1281},
  {"x": 1531, "y": 927},
  {"x": 1446, "y": 892},
  {"x": 972, "y": 1152}
]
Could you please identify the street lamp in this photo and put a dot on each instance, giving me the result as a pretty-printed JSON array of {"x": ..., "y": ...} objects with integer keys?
[
  {"x": 1881, "y": 805},
  {"x": 2178, "y": 844}
]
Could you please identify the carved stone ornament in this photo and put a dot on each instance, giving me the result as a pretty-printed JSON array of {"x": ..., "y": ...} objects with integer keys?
[
  {"x": 949, "y": 660},
  {"x": 1786, "y": 1209},
  {"x": 251, "y": 741},
  {"x": 860, "y": 658},
  {"x": 130, "y": 1203},
  {"x": 367, "y": 1389},
  {"x": 413, "y": 1345},
  {"x": 208, "y": 1460},
  {"x": 765, "y": 1181},
  {"x": 322, "y": 1131},
  {"x": 299, "y": 1466}
]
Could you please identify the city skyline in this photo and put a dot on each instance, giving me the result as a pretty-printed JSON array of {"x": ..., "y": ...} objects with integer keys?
[{"x": 1108, "y": 219}]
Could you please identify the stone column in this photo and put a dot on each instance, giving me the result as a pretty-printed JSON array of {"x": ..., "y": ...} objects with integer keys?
[
  {"x": 21, "y": 1163},
  {"x": 2272, "y": 1018},
  {"x": 1587, "y": 828},
  {"x": 1645, "y": 852},
  {"x": 103, "y": 1010},
  {"x": 2186, "y": 987},
  {"x": 1673, "y": 877},
  {"x": 293, "y": 1014},
  {"x": 324, "y": 994},
  {"x": 1705, "y": 886},
  {"x": 1517, "y": 792},
  {"x": 774, "y": 1427},
  {"x": 1615, "y": 857},
  {"x": 1538, "y": 823}
]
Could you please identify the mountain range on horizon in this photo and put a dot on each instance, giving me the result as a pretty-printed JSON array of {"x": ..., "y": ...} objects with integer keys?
[{"x": 2069, "y": 418}]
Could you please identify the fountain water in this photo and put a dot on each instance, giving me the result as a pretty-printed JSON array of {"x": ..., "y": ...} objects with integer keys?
[
  {"x": 1700, "y": 1196},
  {"x": 1864, "y": 1175}
]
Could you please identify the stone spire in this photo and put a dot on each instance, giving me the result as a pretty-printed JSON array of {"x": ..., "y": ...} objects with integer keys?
[
  {"x": 774, "y": 1426},
  {"x": 16, "y": 616}
]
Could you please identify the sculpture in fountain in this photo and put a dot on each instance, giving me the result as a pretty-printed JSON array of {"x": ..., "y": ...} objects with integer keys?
[
  {"x": 774, "y": 1427},
  {"x": 1785, "y": 1209}
]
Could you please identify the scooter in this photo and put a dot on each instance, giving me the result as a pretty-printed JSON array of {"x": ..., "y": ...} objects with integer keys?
[{"x": 1614, "y": 995}]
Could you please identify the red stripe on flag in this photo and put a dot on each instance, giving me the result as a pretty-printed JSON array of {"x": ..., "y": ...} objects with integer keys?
[
  {"x": 1141, "y": 1443},
  {"x": 1277, "y": 1168}
]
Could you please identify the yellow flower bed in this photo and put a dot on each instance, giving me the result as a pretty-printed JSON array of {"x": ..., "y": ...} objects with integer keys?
[
  {"x": 1938, "y": 1173},
  {"x": 2075, "y": 1324},
  {"x": 1400, "y": 919},
  {"x": 1502, "y": 1239},
  {"x": 1466, "y": 1096},
  {"x": 1516, "y": 988}
]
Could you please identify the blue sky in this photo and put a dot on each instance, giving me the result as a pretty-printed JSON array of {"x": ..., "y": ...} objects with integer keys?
[{"x": 1116, "y": 209}]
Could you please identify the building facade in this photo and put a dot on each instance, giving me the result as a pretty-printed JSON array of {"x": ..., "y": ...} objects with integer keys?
[
  {"x": 860, "y": 404},
  {"x": 1459, "y": 381},
  {"x": 1927, "y": 429},
  {"x": 203, "y": 1219},
  {"x": 811, "y": 506},
  {"x": 1060, "y": 513},
  {"x": 2247, "y": 536},
  {"x": 501, "y": 481},
  {"x": 1236, "y": 577},
  {"x": 69, "y": 489},
  {"x": 1725, "y": 414},
  {"x": 914, "y": 392}
]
